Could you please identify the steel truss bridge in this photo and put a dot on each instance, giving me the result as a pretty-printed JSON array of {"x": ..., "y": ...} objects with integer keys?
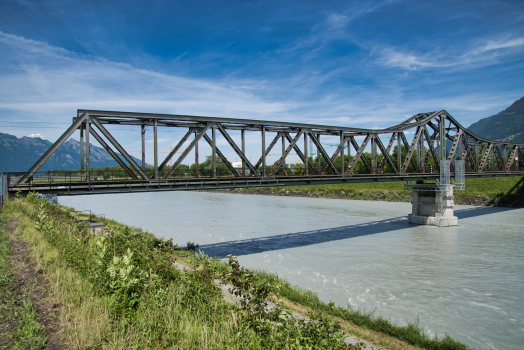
[{"x": 422, "y": 137}]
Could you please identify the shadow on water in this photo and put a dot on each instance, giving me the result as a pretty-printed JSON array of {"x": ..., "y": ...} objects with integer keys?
[{"x": 301, "y": 239}]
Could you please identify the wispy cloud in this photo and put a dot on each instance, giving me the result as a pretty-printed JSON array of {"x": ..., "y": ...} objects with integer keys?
[{"x": 476, "y": 56}]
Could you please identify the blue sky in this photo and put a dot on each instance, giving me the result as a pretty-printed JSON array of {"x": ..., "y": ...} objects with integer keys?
[{"x": 349, "y": 63}]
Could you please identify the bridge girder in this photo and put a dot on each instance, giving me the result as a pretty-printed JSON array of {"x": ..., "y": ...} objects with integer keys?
[{"x": 413, "y": 135}]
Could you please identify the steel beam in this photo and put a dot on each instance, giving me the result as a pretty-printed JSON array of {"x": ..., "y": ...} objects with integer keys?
[
  {"x": 286, "y": 152},
  {"x": 119, "y": 148},
  {"x": 236, "y": 149},
  {"x": 221, "y": 156},
  {"x": 266, "y": 152},
  {"x": 411, "y": 150},
  {"x": 385, "y": 154},
  {"x": 112, "y": 153},
  {"x": 302, "y": 156},
  {"x": 187, "y": 150},
  {"x": 358, "y": 155},
  {"x": 177, "y": 148},
  {"x": 324, "y": 153},
  {"x": 49, "y": 153}
]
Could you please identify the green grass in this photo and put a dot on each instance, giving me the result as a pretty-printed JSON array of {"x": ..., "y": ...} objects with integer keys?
[
  {"x": 120, "y": 291},
  {"x": 16, "y": 306},
  {"x": 506, "y": 191}
]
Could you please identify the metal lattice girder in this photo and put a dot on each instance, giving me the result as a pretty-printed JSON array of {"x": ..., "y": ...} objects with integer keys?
[
  {"x": 485, "y": 157},
  {"x": 411, "y": 150},
  {"x": 288, "y": 149},
  {"x": 406, "y": 145},
  {"x": 357, "y": 147},
  {"x": 49, "y": 153},
  {"x": 270, "y": 147},
  {"x": 491, "y": 157},
  {"x": 335, "y": 155},
  {"x": 112, "y": 153},
  {"x": 323, "y": 152},
  {"x": 500, "y": 164},
  {"x": 431, "y": 144},
  {"x": 358, "y": 155},
  {"x": 237, "y": 150},
  {"x": 221, "y": 156},
  {"x": 188, "y": 149},
  {"x": 301, "y": 155},
  {"x": 470, "y": 153},
  {"x": 388, "y": 151},
  {"x": 511, "y": 159},
  {"x": 119, "y": 148},
  {"x": 455, "y": 144},
  {"x": 385, "y": 153},
  {"x": 175, "y": 150}
]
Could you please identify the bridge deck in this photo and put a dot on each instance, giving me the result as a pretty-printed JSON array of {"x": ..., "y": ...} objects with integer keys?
[{"x": 74, "y": 187}]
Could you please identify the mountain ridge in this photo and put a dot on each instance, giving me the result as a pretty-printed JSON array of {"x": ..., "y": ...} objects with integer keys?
[
  {"x": 507, "y": 125},
  {"x": 19, "y": 154}
]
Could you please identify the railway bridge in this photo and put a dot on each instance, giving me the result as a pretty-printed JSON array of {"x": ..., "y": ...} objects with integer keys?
[{"x": 427, "y": 151}]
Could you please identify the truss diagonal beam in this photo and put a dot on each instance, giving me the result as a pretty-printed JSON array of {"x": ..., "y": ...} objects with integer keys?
[
  {"x": 299, "y": 152},
  {"x": 335, "y": 155},
  {"x": 411, "y": 151},
  {"x": 324, "y": 153},
  {"x": 485, "y": 158},
  {"x": 221, "y": 156},
  {"x": 188, "y": 149},
  {"x": 406, "y": 145},
  {"x": 498, "y": 159},
  {"x": 511, "y": 159},
  {"x": 388, "y": 151},
  {"x": 271, "y": 145},
  {"x": 431, "y": 144},
  {"x": 288, "y": 149},
  {"x": 237, "y": 150},
  {"x": 357, "y": 147},
  {"x": 112, "y": 153},
  {"x": 49, "y": 153},
  {"x": 456, "y": 141},
  {"x": 385, "y": 153},
  {"x": 119, "y": 148},
  {"x": 175, "y": 150},
  {"x": 358, "y": 155}
]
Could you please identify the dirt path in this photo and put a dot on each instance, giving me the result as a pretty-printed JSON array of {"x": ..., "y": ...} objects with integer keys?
[{"x": 28, "y": 278}]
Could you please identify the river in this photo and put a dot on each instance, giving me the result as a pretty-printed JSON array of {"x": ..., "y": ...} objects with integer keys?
[{"x": 467, "y": 281}]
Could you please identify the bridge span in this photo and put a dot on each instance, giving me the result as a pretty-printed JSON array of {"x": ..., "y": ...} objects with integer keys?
[{"x": 361, "y": 155}]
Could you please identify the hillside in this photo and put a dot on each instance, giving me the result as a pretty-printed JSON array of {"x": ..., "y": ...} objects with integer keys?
[
  {"x": 19, "y": 154},
  {"x": 507, "y": 125}
]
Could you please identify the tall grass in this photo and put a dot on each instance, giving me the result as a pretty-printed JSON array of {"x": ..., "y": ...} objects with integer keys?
[{"x": 119, "y": 290}]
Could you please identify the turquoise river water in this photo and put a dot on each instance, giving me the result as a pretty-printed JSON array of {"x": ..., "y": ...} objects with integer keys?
[{"x": 467, "y": 281}]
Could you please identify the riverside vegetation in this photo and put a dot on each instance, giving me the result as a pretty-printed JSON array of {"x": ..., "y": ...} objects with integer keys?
[
  {"x": 119, "y": 289},
  {"x": 503, "y": 191}
]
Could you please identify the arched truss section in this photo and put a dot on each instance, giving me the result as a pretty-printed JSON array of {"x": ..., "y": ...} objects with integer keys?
[{"x": 403, "y": 151}]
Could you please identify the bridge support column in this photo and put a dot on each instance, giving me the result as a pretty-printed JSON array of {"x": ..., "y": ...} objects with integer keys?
[{"x": 433, "y": 207}]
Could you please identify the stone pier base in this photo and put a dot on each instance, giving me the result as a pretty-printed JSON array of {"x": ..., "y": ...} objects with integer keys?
[{"x": 433, "y": 208}]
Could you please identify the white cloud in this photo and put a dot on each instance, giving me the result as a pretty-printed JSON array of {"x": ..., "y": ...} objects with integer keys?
[
  {"x": 37, "y": 135},
  {"x": 477, "y": 55}
]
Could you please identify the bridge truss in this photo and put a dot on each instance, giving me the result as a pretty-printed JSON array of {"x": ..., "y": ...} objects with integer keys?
[{"x": 362, "y": 155}]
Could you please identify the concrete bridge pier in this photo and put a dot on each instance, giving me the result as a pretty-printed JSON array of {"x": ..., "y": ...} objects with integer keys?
[{"x": 433, "y": 206}]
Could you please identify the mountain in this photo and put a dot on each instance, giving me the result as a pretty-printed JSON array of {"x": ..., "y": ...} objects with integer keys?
[
  {"x": 19, "y": 154},
  {"x": 507, "y": 125}
]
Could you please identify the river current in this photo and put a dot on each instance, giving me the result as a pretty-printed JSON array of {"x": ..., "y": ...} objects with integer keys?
[{"x": 466, "y": 281}]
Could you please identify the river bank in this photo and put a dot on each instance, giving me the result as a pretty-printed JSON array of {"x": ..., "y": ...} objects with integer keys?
[
  {"x": 502, "y": 192},
  {"x": 119, "y": 288}
]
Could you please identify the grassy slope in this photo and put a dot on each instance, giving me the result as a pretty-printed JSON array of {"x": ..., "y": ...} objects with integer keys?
[
  {"x": 508, "y": 191},
  {"x": 173, "y": 309}
]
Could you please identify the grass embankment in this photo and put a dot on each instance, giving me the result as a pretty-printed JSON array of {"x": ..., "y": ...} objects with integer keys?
[
  {"x": 503, "y": 191},
  {"x": 119, "y": 290}
]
